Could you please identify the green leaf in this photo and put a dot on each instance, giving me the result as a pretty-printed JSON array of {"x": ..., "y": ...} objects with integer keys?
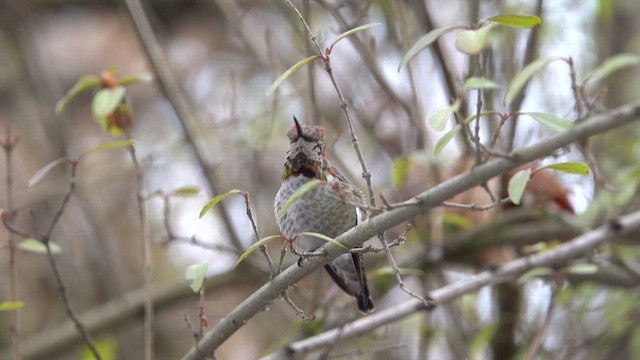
[
  {"x": 11, "y": 305},
  {"x": 612, "y": 65},
  {"x": 107, "y": 146},
  {"x": 578, "y": 168},
  {"x": 472, "y": 41},
  {"x": 135, "y": 79},
  {"x": 517, "y": 185},
  {"x": 480, "y": 83},
  {"x": 582, "y": 269},
  {"x": 213, "y": 202},
  {"x": 438, "y": 118},
  {"x": 289, "y": 72},
  {"x": 190, "y": 190},
  {"x": 107, "y": 348},
  {"x": 521, "y": 78},
  {"x": 425, "y": 41},
  {"x": 325, "y": 238},
  {"x": 481, "y": 340},
  {"x": 445, "y": 139},
  {"x": 84, "y": 83},
  {"x": 196, "y": 273},
  {"x": 457, "y": 220},
  {"x": 38, "y": 247},
  {"x": 351, "y": 32},
  {"x": 106, "y": 101},
  {"x": 255, "y": 246},
  {"x": 517, "y": 21},
  {"x": 37, "y": 177},
  {"x": 482, "y": 113},
  {"x": 296, "y": 195},
  {"x": 387, "y": 270},
  {"x": 534, "y": 273},
  {"x": 399, "y": 171},
  {"x": 551, "y": 121}
]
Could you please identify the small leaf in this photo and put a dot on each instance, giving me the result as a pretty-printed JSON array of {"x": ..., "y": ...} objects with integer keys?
[
  {"x": 84, "y": 83},
  {"x": 399, "y": 171},
  {"x": 534, "y": 273},
  {"x": 438, "y": 118},
  {"x": 351, "y": 32},
  {"x": 480, "y": 83},
  {"x": 425, "y": 41},
  {"x": 196, "y": 273},
  {"x": 472, "y": 41},
  {"x": 521, "y": 78},
  {"x": 325, "y": 238},
  {"x": 107, "y": 146},
  {"x": 481, "y": 340},
  {"x": 445, "y": 139},
  {"x": 517, "y": 185},
  {"x": 296, "y": 195},
  {"x": 551, "y": 121},
  {"x": 256, "y": 245},
  {"x": 38, "y": 247},
  {"x": 11, "y": 305},
  {"x": 387, "y": 270},
  {"x": 578, "y": 168},
  {"x": 457, "y": 220},
  {"x": 107, "y": 348},
  {"x": 135, "y": 79},
  {"x": 37, "y": 177},
  {"x": 213, "y": 202},
  {"x": 581, "y": 269},
  {"x": 482, "y": 113},
  {"x": 190, "y": 190},
  {"x": 517, "y": 21},
  {"x": 612, "y": 65},
  {"x": 289, "y": 72},
  {"x": 106, "y": 101}
]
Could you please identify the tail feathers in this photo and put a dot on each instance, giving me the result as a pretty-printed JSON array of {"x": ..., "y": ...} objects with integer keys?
[
  {"x": 353, "y": 281},
  {"x": 365, "y": 304}
]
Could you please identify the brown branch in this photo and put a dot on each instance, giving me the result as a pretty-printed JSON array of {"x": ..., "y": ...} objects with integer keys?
[
  {"x": 630, "y": 224},
  {"x": 15, "y": 325},
  {"x": 146, "y": 254},
  {"x": 179, "y": 102}
]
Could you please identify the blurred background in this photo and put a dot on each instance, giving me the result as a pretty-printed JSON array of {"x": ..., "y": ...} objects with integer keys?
[{"x": 224, "y": 56}]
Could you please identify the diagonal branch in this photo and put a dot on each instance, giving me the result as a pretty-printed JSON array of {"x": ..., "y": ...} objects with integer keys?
[
  {"x": 629, "y": 224},
  {"x": 433, "y": 197}
]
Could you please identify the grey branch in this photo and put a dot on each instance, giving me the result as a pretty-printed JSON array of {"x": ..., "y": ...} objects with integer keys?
[
  {"x": 433, "y": 197},
  {"x": 578, "y": 246}
]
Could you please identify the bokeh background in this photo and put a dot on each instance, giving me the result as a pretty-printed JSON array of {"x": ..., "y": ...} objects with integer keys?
[{"x": 224, "y": 56}]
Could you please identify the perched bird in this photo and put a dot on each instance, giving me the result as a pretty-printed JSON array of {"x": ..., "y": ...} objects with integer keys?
[{"x": 329, "y": 209}]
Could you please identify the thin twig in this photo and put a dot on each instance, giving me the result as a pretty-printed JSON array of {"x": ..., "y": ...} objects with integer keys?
[
  {"x": 537, "y": 341},
  {"x": 175, "y": 95},
  {"x": 296, "y": 309},
  {"x": 15, "y": 325},
  {"x": 474, "y": 207},
  {"x": 146, "y": 255},
  {"x": 263, "y": 248},
  {"x": 44, "y": 239}
]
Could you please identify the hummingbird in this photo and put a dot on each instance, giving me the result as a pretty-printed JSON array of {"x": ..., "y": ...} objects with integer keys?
[{"x": 329, "y": 209}]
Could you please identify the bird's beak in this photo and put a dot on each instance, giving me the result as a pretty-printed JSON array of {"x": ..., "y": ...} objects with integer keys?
[{"x": 298, "y": 127}]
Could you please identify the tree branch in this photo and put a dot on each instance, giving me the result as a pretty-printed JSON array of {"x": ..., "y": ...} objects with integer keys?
[
  {"x": 576, "y": 247},
  {"x": 259, "y": 300}
]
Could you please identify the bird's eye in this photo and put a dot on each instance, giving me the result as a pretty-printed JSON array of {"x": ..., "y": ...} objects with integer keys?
[{"x": 319, "y": 147}]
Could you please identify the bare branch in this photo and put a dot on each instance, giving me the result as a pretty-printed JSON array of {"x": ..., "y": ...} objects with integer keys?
[
  {"x": 424, "y": 201},
  {"x": 574, "y": 248}
]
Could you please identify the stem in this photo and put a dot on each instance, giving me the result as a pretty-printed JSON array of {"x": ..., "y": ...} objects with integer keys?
[
  {"x": 146, "y": 256},
  {"x": 15, "y": 323}
]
